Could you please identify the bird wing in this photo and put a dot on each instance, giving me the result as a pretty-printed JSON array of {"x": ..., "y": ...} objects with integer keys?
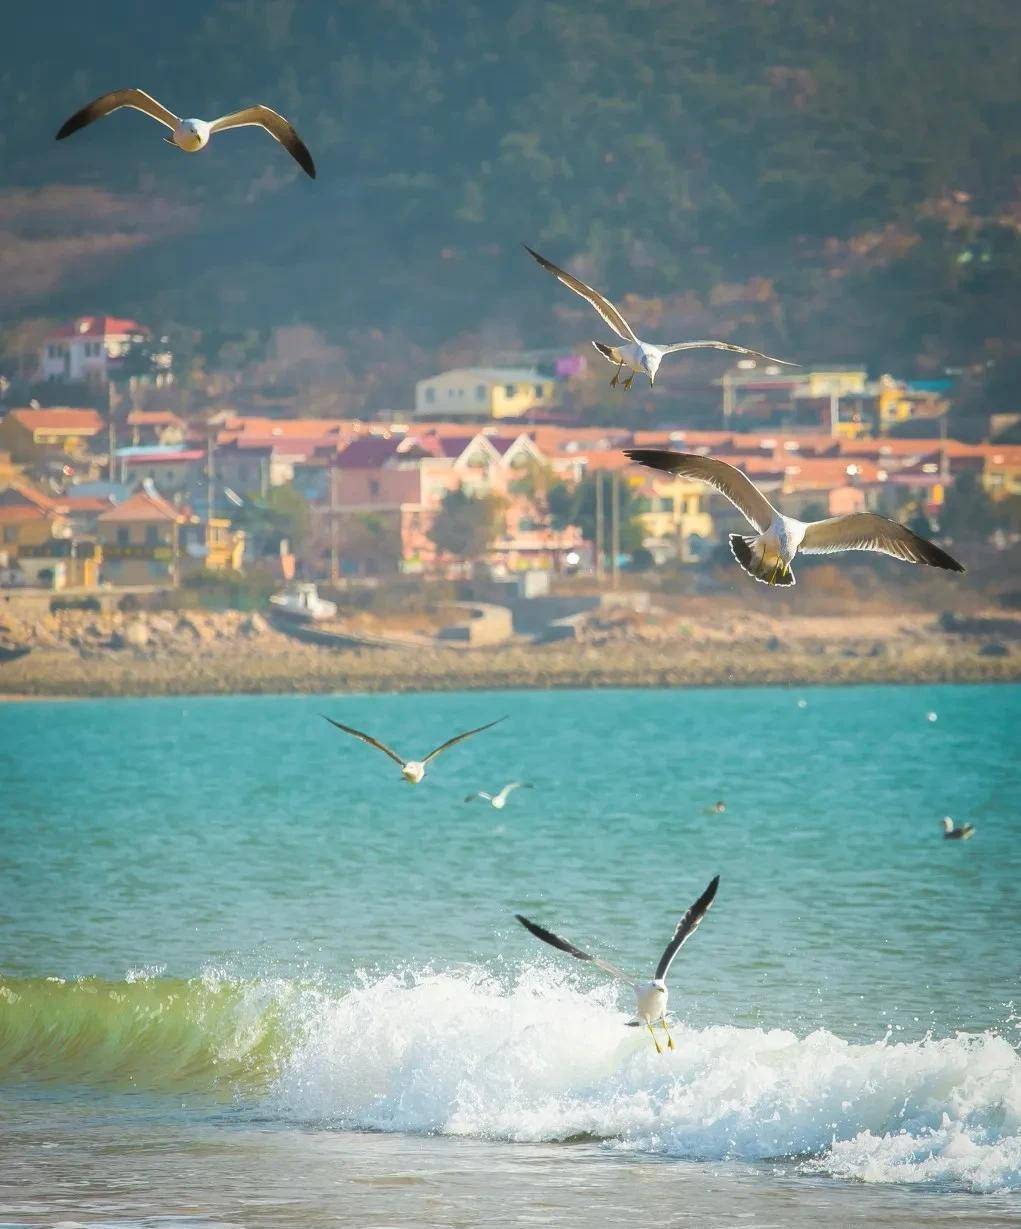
[
  {"x": 603, "y": 306},
  {"x": 138, "y": 100},
  {"x": 547, "y": 936},
  {"x": 367, "y": 738},
  {"x": 685, "y": 927},
  {"x": 867, "y": 531},
  {"x": 738, "y": 487},
  {"x": 511, "y": 786},
  {"x": 460, "y": 738},
  {"x": 725, "y": 345},
  {"x": 479, "y": 794},
  {"x": 275, "y": 124}
]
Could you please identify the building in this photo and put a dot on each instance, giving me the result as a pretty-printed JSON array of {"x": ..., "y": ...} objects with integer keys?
[
  {"x": 484, "y": 392},
  {"x": 40, "y": 542},
  {"x": 141, "y": 540},
  {"x": 159, "y": 428},
  {"x": 32, "y": 435},
  {"x": 172, "y": 470},
  {"x": 88, "y": 348}
]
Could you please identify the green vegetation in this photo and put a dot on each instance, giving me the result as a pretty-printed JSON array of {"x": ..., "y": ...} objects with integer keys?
[
  {"x": 784, "y": 172},
  {"x": 466, "y": 526}
]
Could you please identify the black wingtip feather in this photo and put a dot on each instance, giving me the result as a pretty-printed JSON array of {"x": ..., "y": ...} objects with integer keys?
[{"x": 655, "y": 458}]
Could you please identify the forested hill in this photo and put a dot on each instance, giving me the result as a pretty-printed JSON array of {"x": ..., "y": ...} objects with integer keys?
[{"x": 676, "y": 148}]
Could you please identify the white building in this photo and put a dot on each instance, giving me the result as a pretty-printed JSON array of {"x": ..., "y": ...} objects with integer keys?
[
  {"x": 85, "y": 348},
  {"x": 484, "y": 392}
]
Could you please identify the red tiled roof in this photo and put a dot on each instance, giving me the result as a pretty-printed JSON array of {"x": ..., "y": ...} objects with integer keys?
[
  {"x": 59, "y": 419},
  {"x": 97, "y": 326},
  {"x": 154, "y": 418},
  {"x": 24, "y": 503},
  {"x": 368, "y": 452},
  {"x": 164, "y": 458},
  {"x": 141, "y": 506}
]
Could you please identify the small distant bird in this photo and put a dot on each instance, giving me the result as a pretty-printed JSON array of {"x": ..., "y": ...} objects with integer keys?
[
  {"x": 950, "y": 833},
  {"x": 932, "y": 716},
  {"x": 637, "y": 356},
  {"x": 498, "y": 801},
  {"x": 191, "y": 135},
  {"x": 411, "y": 770},
  {"x": 768, "y": 555},
  {"x": 719, "y": 808},
  {"x": 651, "y": 996}
]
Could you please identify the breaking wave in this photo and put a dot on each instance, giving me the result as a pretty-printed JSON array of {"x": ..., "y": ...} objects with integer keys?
[{"x": 529, "y": 1056}]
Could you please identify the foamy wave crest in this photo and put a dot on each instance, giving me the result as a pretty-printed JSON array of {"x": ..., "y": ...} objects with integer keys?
[{"x": 463, "y": 1053}]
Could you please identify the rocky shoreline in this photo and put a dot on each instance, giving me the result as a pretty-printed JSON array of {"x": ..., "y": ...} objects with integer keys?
[{"x": 78, "y": 654}]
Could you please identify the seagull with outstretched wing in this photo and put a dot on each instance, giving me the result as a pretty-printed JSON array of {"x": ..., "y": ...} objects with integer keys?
[
  {"x": 636, "y": 355},
  {"x": 498, "y": 801},
  {"x": 411, "y": 770},
  {"x": 767, "y": 554},
  {"x": 191, "y": 135},
  {"x": 651, "y": 997}
]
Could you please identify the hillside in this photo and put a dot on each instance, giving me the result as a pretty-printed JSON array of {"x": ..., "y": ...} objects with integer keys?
[{"x": 785, "y": 170}]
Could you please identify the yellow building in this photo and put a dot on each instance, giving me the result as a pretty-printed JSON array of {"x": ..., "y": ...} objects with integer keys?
[
  {"x": 675, "y": 515},
  {"x": 225, "y": 546},
  {"x": 484, "y": 392},
  {"x": 141, "y": 540},
  {"x": 31, "y": 434},
  {"x": 1001, "y": 472}
]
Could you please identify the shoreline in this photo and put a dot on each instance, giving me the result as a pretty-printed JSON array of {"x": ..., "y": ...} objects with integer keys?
[{"x": 62, "y": 675}]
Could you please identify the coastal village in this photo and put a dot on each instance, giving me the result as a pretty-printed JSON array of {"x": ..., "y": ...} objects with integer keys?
[{"x": 490, "y": 485}]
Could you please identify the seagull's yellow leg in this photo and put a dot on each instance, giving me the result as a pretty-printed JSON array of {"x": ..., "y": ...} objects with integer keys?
[
  {"x": 613, "y": 382},
  {"x": 669, "y": 1039},
  {"x": 655, "y": 1039},
  {"x": 772, "y": 575},
  {"x": 628, "y": 381}
]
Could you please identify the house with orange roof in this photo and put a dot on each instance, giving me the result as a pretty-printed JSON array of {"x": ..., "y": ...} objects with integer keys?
[
  {"x": 31, "y": 435},
  {"x": 141, "y": 540},
  {"x": 40, "y": 540},
  {"x": 85, "y": 348},
  {"x": 157, "y": 427}
]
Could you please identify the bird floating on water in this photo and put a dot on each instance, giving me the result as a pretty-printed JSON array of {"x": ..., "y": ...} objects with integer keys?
[
  {"x": 411, "y": 770},
  {"x": 498, "y": 801},
  {"x": 651, "y": 997},
  {"x": 191, "y": 135},
  {"x": 950, "y": 833},
  {"x": 767, "y": 556},
  {"x": 636, "y": 355}
]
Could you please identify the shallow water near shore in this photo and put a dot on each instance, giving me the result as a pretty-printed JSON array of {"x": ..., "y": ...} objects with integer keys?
[{"x": 247, "y": 976}]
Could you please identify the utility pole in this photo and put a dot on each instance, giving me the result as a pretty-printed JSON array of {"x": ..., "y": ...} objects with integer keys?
[
  {"x": 210, "y": 432},
  {"x": 599, "y": 524},
  {"x": 615, "y": 528},
  {"x": 334, "y": 546}
]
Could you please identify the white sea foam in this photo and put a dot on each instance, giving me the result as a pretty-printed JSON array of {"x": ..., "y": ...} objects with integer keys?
[{"x": 538, "y": 1059}]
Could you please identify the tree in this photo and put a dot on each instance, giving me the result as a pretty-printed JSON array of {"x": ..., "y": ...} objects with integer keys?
[
  {"x": 281, "y": 514},
  {"x": 968, "y": 512},
  {"x": 577, "y": 506},
  {"x": 466, "y": 525}
]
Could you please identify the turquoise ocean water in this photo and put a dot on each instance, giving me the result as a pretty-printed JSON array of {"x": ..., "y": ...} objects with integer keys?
[{"x": 248, "y": 976}]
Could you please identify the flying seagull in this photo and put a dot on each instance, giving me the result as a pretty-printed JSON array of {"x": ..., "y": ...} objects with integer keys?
[
  {"x": 412, "y": 770},
  {"x": 191, "y": 135},
  {"x": 498, "y": 801},
  {"x": 950, "y": 833},
  {"x": 637, "y": 355},
  {"x": 651, "y": 996},
  {"x": 767, "y": 556}
]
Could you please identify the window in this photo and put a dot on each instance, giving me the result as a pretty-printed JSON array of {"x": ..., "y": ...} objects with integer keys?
[
  {"x": 538, "y": 392},
  {"x": 10, "y": 533},
  {"x": 92, "y": 349},
  {"x": 480, "y": 392},
  {"x": 123, "y": 536},
  {"x": 152, "y": 535},
  {"x": 373, "y": 486},
  {"x": 510, "y": 389},
  {"x": 430, "y": 395}
]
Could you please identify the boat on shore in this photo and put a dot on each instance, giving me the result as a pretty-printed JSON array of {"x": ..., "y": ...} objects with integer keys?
[{"x": 301, "y": 601}]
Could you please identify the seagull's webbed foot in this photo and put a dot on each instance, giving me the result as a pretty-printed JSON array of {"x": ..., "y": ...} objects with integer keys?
[
  {"x": 669, "y": 1040},
  {"x": 616, "y": 376},
  {"x": 629, "y": 381},
  {"x": 655, "y": 1039}
]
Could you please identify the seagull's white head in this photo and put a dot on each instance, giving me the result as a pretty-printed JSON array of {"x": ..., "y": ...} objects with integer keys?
[
  {"x": 413, "y": 772},
  {"x": 651, "y": 361},
  {"x": 191, "y": 134},
  {"x": 948, "y": 824}
]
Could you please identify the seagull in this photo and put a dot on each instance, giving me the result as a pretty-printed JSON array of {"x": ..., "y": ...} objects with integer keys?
[
  {"x": 950, "y": 833},
  {"x": 498, "y": 801},
  {"x": 767, "y": 556},
  {"x": 412, "y": 770},
  {"x": 637, "y": 356},
  {"x": 191, "y": 135},
  {"x": 651, "y": 996}
]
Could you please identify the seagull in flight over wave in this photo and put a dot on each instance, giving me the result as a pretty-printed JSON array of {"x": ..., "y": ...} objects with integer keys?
[
  {"x": 498, "y": 801},
  {"x": 191, "y": 135},
  {"x": 636, "y": 355},
  {"x": 411, "y": 770},
  {"x": 651, "y": 997},
  {"x": 767, "y": 555}
]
